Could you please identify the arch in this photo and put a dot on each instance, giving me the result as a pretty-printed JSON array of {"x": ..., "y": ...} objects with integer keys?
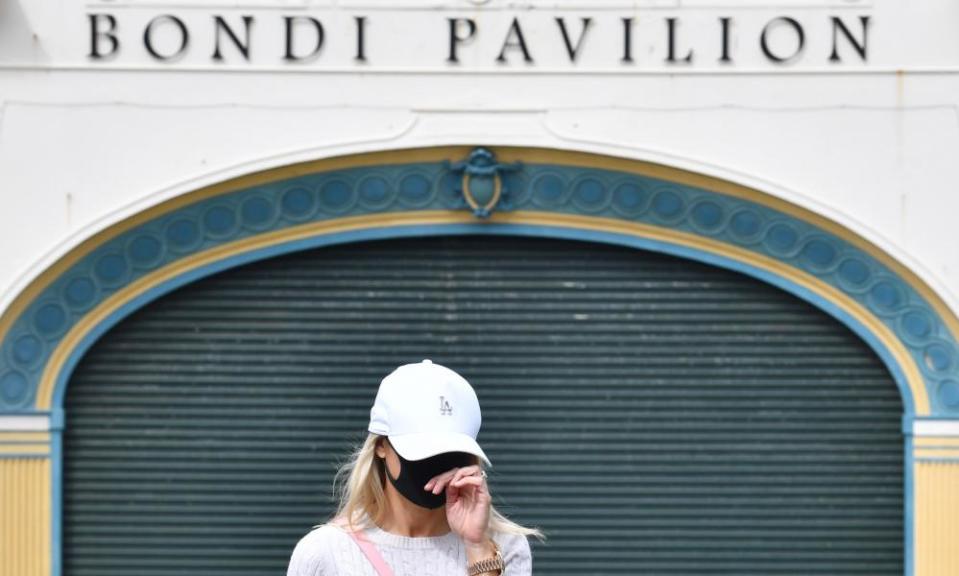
[
  {"x": 419, "y": 191},
  {"x": 57, "y": 317}
]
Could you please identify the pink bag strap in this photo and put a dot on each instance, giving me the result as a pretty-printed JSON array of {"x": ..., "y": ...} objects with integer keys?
[
  {"x": 370, "y": 551},
  {"x": 368, "y": 548}
]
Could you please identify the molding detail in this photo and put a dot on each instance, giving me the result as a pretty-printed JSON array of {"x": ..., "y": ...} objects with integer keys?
[
  {"x": 944, "y": 449},
  {"x": 944, "y": 428},
  {"x": 24, "y": 423},
  {"x": 623, "y": 199}
]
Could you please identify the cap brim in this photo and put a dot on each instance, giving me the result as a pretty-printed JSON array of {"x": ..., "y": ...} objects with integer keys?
[{"x": 420, "y": 446}]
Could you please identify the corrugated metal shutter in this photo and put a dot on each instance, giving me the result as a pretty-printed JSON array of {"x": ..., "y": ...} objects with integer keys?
[{"x": 652, "y": 415}]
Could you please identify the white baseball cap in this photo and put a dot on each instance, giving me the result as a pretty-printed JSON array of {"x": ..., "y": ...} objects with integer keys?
[{"x": 427, "y": 409}]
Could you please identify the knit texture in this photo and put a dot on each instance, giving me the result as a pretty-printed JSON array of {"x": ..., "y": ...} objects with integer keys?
[{"x": 330, "y": 551}]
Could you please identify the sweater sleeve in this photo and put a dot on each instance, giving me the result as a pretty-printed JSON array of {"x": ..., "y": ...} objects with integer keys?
[{"x": 517, "y": 555}]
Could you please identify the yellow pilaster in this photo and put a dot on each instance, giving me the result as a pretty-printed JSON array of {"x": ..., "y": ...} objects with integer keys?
[
  {"x": 25, "y": 500},
  {"x": 937, "y": 506}
]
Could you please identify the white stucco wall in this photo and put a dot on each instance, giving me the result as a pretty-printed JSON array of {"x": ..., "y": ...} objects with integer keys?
[{"x": 873, "y": 145}]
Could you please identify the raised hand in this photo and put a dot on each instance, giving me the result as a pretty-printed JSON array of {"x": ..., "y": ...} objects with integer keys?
[{"x": 467, "y": 501}]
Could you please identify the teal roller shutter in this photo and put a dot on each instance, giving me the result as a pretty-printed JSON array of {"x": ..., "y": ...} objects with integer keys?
[{"x": 652, "y": 415}]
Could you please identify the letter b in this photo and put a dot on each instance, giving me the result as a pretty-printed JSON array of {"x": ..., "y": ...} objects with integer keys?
[{"x": 96, "y": 35}]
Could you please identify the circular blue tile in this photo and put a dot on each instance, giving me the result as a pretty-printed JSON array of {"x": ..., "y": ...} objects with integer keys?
[
  {"x": 589, "y": 194},
  {"x": 110, "y": 269},
  {"x": 707, "y": 215},
  {"x": 80, "y": 292},
  {"x": 949, "y": 394},
  {"x": 938, "y": 357},
  {"x": 854, "y": 272},
  {"x": 49, "y": 319},
  {"x": 667, "y": 205},
  {"x": 336, "y": 196},
  {"x": 13, "y": 388},
  {"x": 917, "y": 325},
  {"x": 298, "y": 203},
  {"x": 256, "y": 212},
  {"x": 885, "y": 297},
  {"x": 819, "y": 254},
  {"x": 27, "y": 349},
  {"x": 629, "y": 199},
  {"x": 374, "y": 192},
  {"x": 145, "y": 250},
  {"x": 548, "y": 190},
  {"x": 516, "y": 191},
  {"x": 745, "y": 224},
  {"x": 219, "y": 220},
  {"x": 416, "y": 190},
  {"x": 182, "y": 234},
  {"x": 781, "y": 238}
]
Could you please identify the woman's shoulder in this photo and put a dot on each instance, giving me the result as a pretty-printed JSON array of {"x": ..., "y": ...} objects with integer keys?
[
  {"x": 322, "y": 537},
  {"x": 314, "y": 549}
]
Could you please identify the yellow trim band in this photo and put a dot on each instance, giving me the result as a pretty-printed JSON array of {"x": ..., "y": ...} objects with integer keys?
[
  {"x": 935, "y": 442},
  {"x": 24, "y": 436},
  {"x": 24, "y": 449},
  {"x": 434, "y": 217},
  {"x": 937, "y": 453}
]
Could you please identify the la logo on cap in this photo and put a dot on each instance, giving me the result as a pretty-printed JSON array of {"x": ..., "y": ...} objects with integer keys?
[{"x": 445, "y": 408}]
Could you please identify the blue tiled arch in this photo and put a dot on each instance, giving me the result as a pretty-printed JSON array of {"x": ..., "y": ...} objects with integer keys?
[{"x": 548, "y": 188}]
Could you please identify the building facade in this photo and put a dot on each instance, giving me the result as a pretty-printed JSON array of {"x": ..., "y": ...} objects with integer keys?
[{"x": 691, "y": 254}]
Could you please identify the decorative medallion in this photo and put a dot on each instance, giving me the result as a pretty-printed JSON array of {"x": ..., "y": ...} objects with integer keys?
[{"x": 482, "y": 183}]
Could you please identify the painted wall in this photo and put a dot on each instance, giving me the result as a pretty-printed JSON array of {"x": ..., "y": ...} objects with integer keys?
[{"x": 871, "y": 144}]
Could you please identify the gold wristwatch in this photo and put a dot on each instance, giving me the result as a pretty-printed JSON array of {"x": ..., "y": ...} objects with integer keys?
[{"x": 490, "y": 564}]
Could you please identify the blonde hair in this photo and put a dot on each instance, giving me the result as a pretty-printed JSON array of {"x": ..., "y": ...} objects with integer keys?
[{"x": 361, "y": 498}]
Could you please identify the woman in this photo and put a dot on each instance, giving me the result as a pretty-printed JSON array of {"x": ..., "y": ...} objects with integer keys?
[{"x": 415, "y": 501}]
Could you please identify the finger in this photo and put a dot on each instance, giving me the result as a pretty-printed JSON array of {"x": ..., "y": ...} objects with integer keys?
[
  {"x": 439, "y": 482},
  {"x": 434, "y": 479},
  {"x": 469, "y": 487},
  {"x": 465, "y": 471},
  {"x": 452, "y": 494},
  {"x": 456, "y": 474},
  {"x": 467, "y": 481}
]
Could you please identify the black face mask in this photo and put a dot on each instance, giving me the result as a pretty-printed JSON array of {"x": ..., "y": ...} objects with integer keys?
[{"x": 414, "y": 474}]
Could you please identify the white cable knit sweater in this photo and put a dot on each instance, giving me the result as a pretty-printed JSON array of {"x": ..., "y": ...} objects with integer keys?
[{"x": 330, "y": 551}]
